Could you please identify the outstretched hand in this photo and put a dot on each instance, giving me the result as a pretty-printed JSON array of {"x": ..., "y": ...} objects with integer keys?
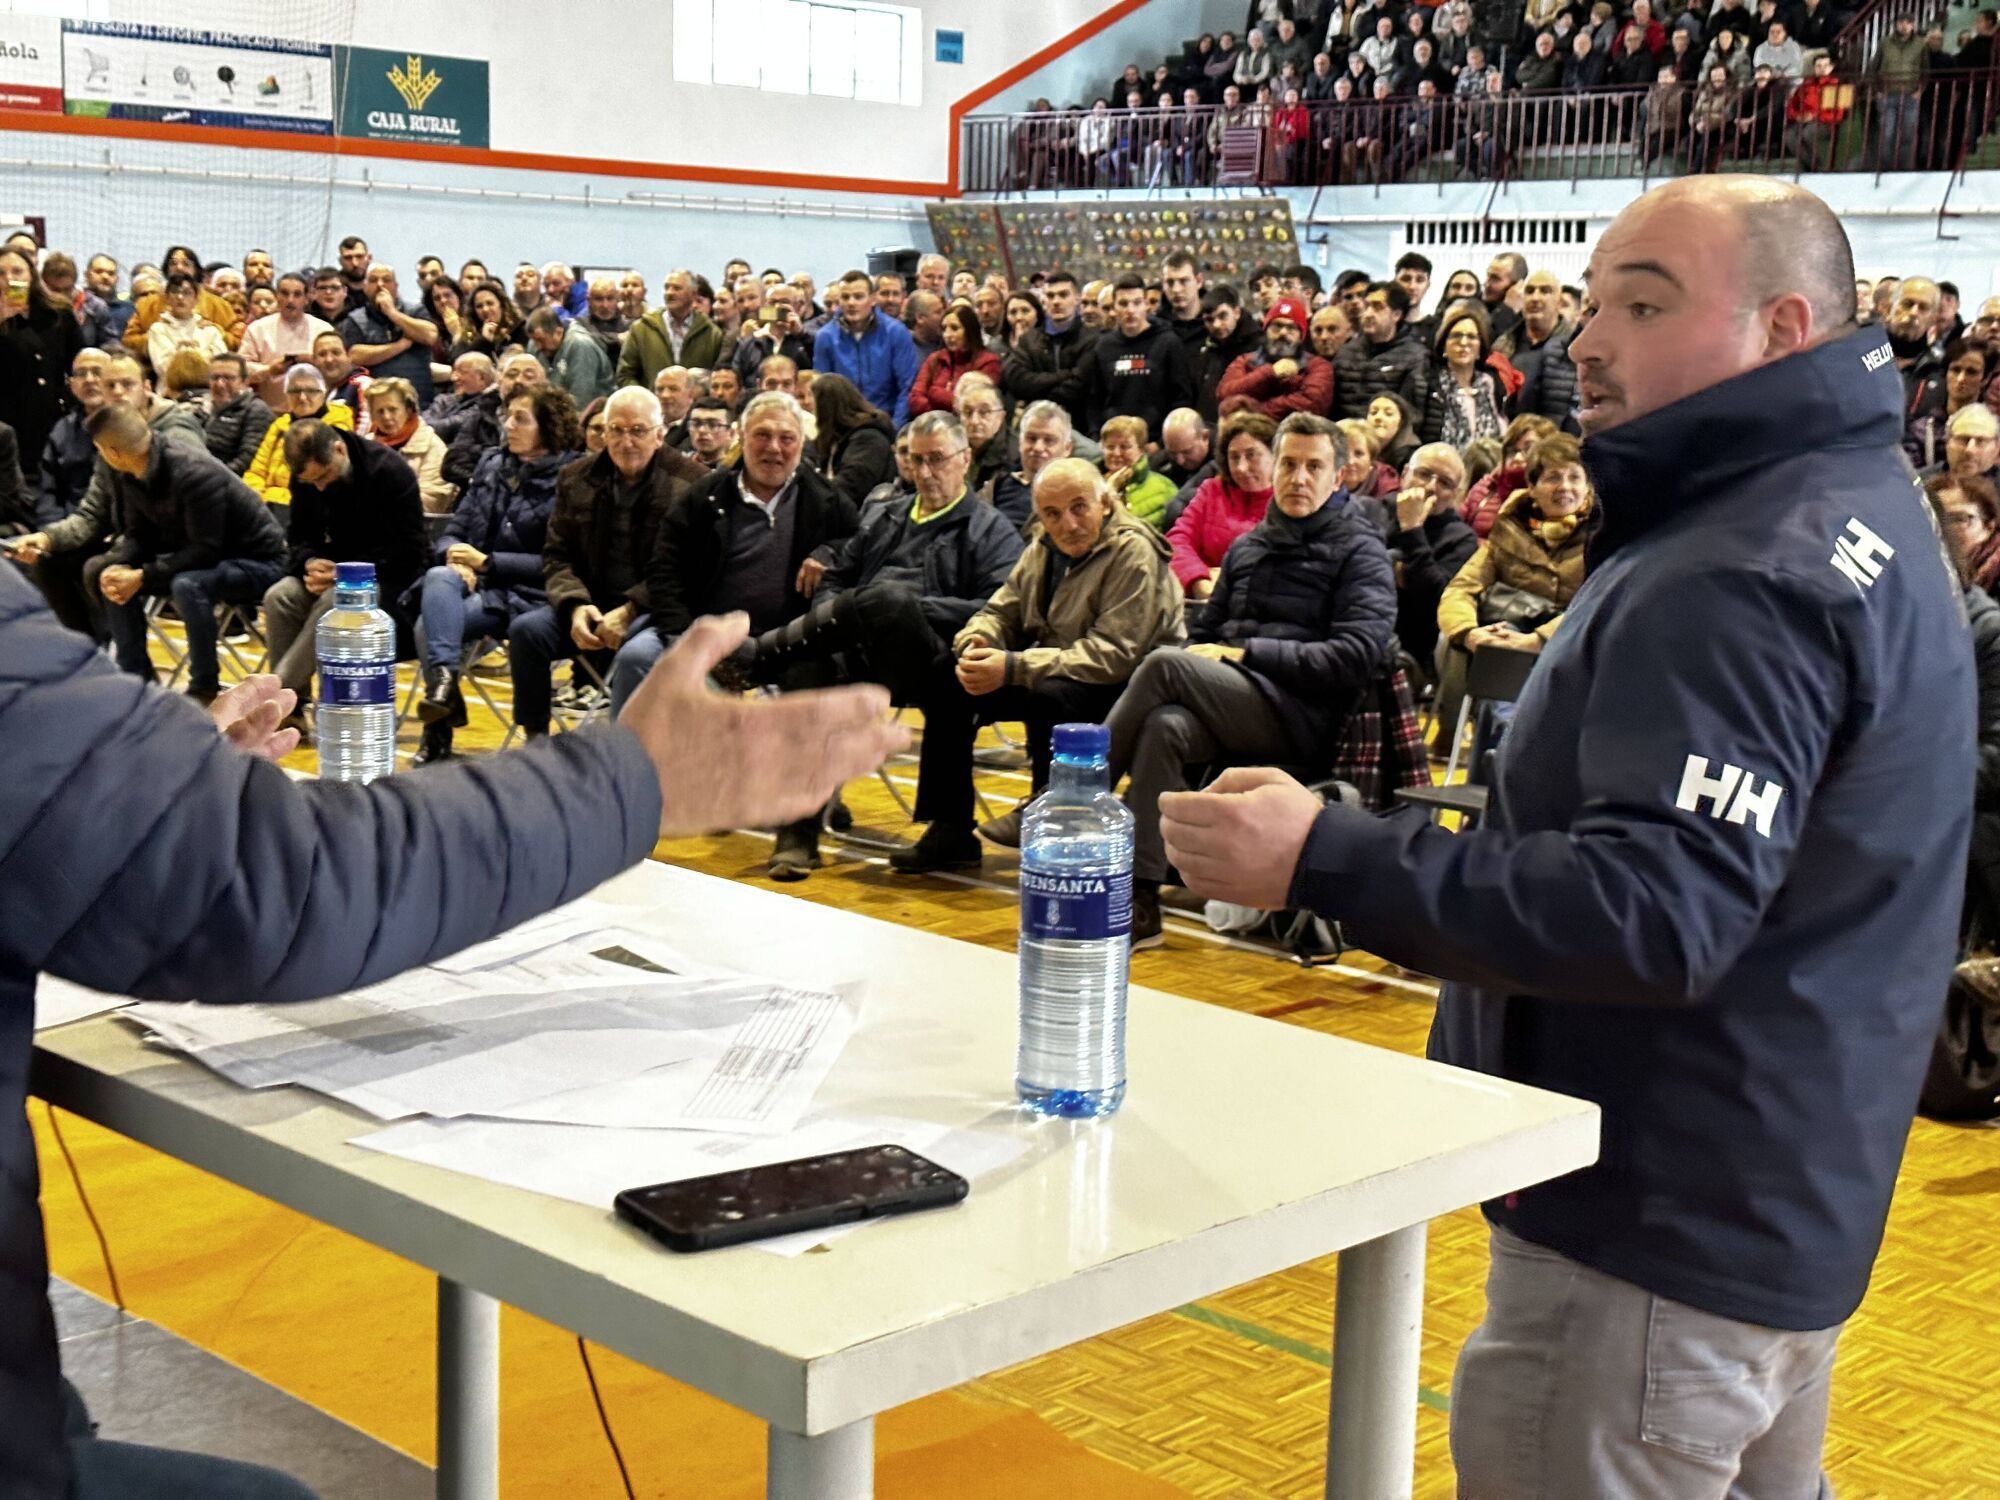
[
  {"x": 729, "y": 762},
  {"x": 248, "y": 716},
  {"x": 1240, "y": 839}
]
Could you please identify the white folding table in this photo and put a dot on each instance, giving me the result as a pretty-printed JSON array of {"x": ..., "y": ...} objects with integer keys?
[{"x": 1245, "y": 1147}]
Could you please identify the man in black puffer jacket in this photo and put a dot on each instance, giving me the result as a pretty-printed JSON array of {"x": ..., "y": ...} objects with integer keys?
[
  {"x": 1048, "y": 364},
  {"x": 1383, "y": 360},
  {"x": 189, "y": 530},
  {"x": 1302, "y": 620},
  {"x": 238, "y": 419},
  {"x": 1539, "y": 349}
]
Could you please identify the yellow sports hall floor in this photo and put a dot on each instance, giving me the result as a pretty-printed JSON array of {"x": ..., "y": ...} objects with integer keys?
[{"x": 1226, "y": 1397}]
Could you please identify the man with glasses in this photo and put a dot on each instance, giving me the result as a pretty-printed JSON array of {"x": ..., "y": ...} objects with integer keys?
[
  {"x": 237, "y": 419},
  {"x": 600, "y": 541},
  {"x": 1971, "y": 445},
  {"x": 1430, "y": 542},
  {"x": 887, "y": 606},
  {"x": 980, "y": 412},
  {"x": 711, "y": 428}
]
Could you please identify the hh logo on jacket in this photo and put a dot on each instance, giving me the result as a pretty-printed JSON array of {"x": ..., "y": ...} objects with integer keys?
[
  {"x": 1859, "y": 554},
  {"x": 1733, "y": 794}
]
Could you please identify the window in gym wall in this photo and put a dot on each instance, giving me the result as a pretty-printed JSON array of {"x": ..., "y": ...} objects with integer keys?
[{"x": 836, "y": 49}]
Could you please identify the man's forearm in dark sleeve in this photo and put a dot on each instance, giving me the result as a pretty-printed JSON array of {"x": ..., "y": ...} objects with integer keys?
[{"x": 226, "y": 880}]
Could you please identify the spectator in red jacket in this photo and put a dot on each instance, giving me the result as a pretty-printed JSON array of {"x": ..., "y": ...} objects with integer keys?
[
  {"x": 964, "y": 351},
  {"x": 1282, "y": 377},
  {"x": 1487, "y": 496},
  {"x": 1226, "y": 506}
]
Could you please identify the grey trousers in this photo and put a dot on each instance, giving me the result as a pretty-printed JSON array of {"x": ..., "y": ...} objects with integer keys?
[
  {"x": 291, "y": 615},
  {"x": 1579, "y": 1384},
  {"x": 1181, "y": 710}
]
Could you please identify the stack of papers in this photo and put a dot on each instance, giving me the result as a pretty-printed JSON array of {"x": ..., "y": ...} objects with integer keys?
[
  {"x": 576, "y": 1056},
  {"x": 570, "y": 1021}
]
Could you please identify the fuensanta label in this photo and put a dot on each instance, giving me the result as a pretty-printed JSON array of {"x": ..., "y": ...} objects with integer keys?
[
  {"x": 1070, "y": 906},
  {"x": 356, "y": 684}
]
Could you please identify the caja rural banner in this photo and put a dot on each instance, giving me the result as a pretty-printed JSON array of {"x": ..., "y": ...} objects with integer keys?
[{"x": 407, "y": 96}]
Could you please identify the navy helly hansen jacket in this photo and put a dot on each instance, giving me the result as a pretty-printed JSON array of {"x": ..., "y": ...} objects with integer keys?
[
  {"x": 1719, "y": 887},
  {"x": 226, "y": 881}
]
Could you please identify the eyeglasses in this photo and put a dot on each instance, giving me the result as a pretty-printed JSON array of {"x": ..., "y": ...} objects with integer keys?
[
  {"x": 979, "y": 411},
  {"x": 634, "y": 432},
  {"x": 929, "y": 461}
]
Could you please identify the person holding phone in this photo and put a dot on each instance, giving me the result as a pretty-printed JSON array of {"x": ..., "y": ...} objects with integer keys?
[{"x": 39, "y": 339}]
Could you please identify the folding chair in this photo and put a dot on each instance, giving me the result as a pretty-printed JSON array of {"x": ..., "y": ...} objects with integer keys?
[
  {"x": 231, "y": 619},
  {"x": 155, "y": 608},
  {"x": 1494, "y": 675}
]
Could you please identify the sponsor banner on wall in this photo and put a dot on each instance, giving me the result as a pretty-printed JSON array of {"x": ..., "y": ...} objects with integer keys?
[
  {"x": 31, "y": 63},
  {"x": 176, "y": 75},
  {"x": 407, "y": 96}
]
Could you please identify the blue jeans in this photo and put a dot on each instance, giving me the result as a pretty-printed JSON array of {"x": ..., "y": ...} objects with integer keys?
[
  {"x": 629, "y": 668},
  {"x": 234, "y": 580},
  {"x": 451, "y": 616},
  {"x": 1897, "y": 148},
  {"x": 122, "y": 1471},
  {"x": 536, "y": 641}
]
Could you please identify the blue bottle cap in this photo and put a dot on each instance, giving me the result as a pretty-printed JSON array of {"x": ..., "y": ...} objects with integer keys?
[
  {"x": 354, "y": 575},
  {"x": 1082, "y": 741}
]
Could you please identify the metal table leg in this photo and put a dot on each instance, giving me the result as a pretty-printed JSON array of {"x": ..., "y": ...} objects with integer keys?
[
  {"x": 1378, "y": 1332},
  {"x": 836, "y": 1465},
  {"x": 468, "y": 1394}
]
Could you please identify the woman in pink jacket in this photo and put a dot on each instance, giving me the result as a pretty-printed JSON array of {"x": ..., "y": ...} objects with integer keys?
[
  {"x": 1226, "y": 506},
  {"x": 936, "y": 387}
]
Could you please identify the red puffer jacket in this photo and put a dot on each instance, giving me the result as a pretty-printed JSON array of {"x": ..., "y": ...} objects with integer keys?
[
  {"x": 1217, "y": 516},
  {"x": 1487, "y": 496},
  {"x": 937, "y": 380}
]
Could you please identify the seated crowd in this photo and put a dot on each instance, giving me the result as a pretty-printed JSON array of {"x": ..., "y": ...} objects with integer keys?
[
  {"x": 1234, "y": 524},
  {"x": 1329, "y": 91}
]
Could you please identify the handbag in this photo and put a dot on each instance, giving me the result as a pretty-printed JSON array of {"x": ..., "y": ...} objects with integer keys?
[{"x": 1504, "y": 604}]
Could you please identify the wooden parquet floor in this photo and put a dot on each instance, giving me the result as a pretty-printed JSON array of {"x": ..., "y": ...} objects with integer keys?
[{"x": 1226, "y": 1398}]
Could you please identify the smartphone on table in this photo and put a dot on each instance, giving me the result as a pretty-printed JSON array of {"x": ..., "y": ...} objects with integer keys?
[{"x": 814, "y": 1192}]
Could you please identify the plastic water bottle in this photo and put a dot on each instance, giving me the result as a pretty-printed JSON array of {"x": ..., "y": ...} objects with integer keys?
[
  {"x": 356, "y": 723},
  {"x": 1076, "y": 933}
]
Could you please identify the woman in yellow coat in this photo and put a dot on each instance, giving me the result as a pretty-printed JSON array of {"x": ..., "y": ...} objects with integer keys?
[{"x": 305, "y": 396}]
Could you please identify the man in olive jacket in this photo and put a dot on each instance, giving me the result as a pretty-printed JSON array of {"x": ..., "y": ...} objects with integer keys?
[
  {"x": 1091, "y": 596},
  {"x": 672, "y": 334}
]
